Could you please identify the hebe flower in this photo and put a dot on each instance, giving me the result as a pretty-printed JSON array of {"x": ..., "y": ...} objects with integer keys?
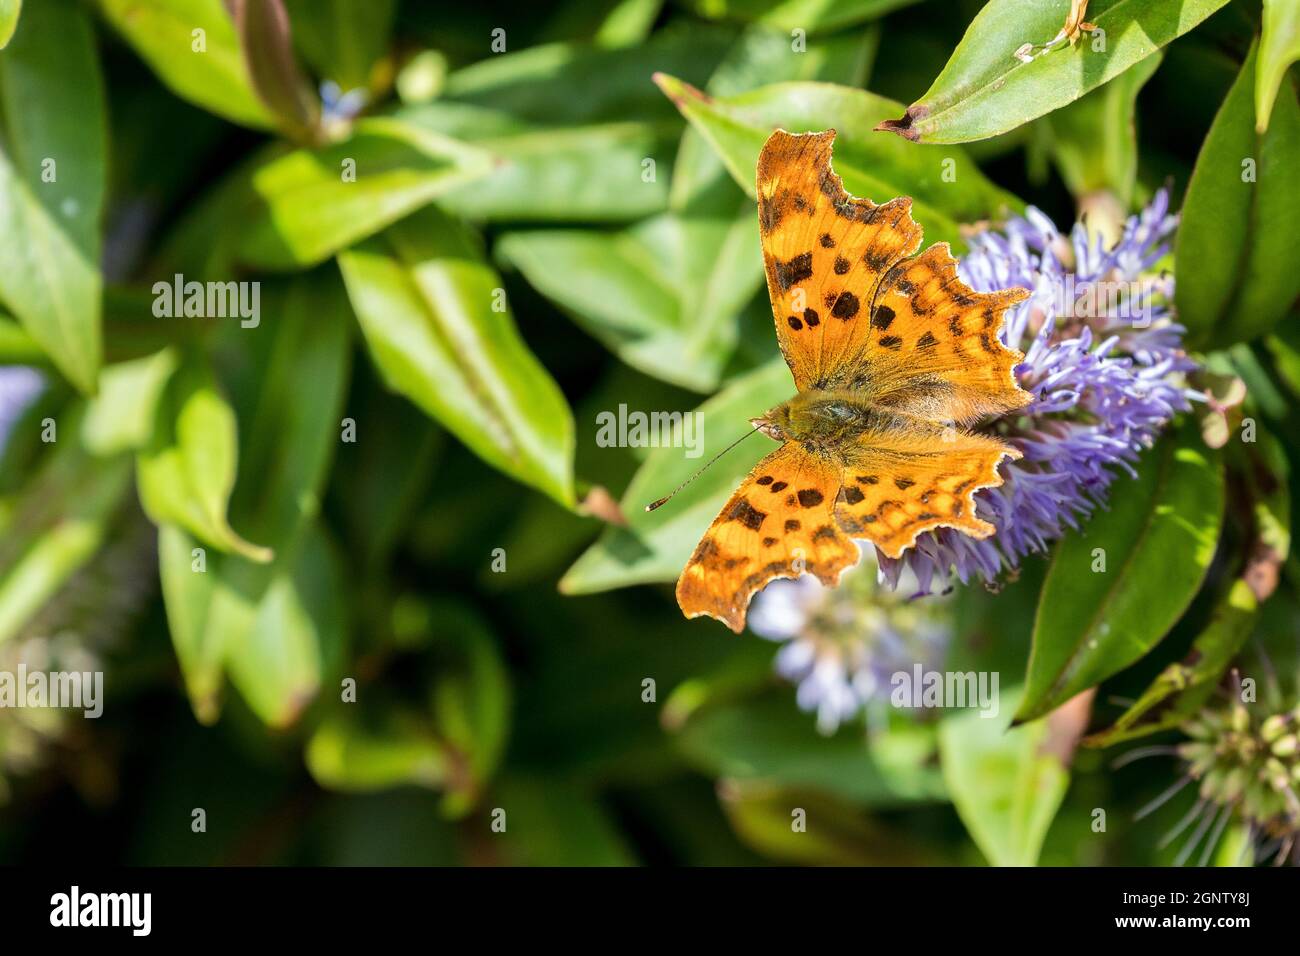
[
  {"x": 1104, "y": 363},
  {"x": 843, "y": 645}
]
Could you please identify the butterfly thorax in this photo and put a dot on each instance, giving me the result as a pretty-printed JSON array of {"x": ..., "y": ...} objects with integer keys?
[{"x": 830, "y": 423}]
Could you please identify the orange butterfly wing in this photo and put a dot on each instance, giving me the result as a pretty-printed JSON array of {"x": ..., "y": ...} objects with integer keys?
[
  {"x": 778, "y": 524},
  {"x": 858, "y": 312},
  {"x": 824, "y": 252},
  {"x": 902, "y": 483}
]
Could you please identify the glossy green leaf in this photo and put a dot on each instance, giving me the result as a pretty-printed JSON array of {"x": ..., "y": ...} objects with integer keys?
[
  {"x": 986, "y": 90},
  {"x": 312, "y": 203},
  {"x": 266, "y": 42},
  {"x": 1005, "y": 785},
  {"x": 767, "y": 739},
  {"x": 436, "y": 321},
  {"x": 807, "y": 15},
  {"x": 191, "y": 45},
  {"x": 9, "y": 11},
  {"x": 571, "y": 126},
  {"x": 592, "y": 173},
  {"x": 654, "y": 546},
  {"x": 663, "y": 295},
  {"x": 52, "y": 182},
  {"x": 1093, "y": 141},
  {"x": 1155, "y": 539},
  {"x": 56, "y": 523},
  {"x": 123, "y": 415},
  {"x": 1279, "y": 47},
  {"x": 1235, "y": 274},
  {"x": 342, "y": 39},
  {"x": 187, "y": 471},
  {"x": 947, "y": 189},
  {"x": 1180, "y": 690}
]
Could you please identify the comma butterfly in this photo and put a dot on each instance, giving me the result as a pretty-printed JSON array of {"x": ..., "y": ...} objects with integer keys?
[{"x": 893, "y": 356}]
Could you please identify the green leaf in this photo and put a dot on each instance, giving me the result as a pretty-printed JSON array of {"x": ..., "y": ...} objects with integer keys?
[
  {"x": 57, "y": 521},
  {"x": 1093, "y": 141},
  {"x": 277, "y": 629},
  {"x": 1234, "y": 262},
  {"x": 262, "y": 27},
  {"x": 808, "y": 15},
  {"x": 122, "y": 416},
  {"x": 52, "y": 182},
  {"x": 1279, "y": 47},
  {"x": 312, "y": 203},
  {"x": 986, "y": 90},
  {"x": 9, "y": 11},
  {"x": 571, "y": 84},
  {"x": 187, "y": 471},
  {"x": 572, "y": 126},
  {"x": 654, "y": 546},
  {"x": 1156, "y": 540},
  {"x": 362, "y": 749},
  {"x": 17, "y": 347},
  {"x": 542, "y": 173},
  {"x": 435, "y": 320},
  {"x": 835, "y": 832},
  {"x": 767, "y": 739},
  {"x": 343, "y": 39},
  {"x": 1182, "y": 688},
  {"x": 663, "y": 295},
  {"x": 470, "y": 700},
  {"x": 1005, "y": 785},
  {"x": 551, "y": 822},
  {"x": 946, "y": 187},
  {"x": 191, "y": 45}
]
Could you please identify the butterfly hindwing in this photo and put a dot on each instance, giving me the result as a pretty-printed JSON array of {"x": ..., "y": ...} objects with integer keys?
[
  {"x": 935, "y": 344},
  {"x": 778, "y": 524},
  {"x": 899, "y": 485}
]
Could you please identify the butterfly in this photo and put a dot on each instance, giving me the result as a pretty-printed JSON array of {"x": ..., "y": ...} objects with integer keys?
[{"x": 893, "y": 357}]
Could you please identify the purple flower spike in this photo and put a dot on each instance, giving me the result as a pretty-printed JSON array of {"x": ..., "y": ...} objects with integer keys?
[{"x": 1104, "y": 363}]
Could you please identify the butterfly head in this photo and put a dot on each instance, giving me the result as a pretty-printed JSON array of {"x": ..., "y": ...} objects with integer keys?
[{"x": 770, "y": 426}]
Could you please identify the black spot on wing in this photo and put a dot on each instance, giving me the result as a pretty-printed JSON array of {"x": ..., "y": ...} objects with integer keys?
[
  {"x": 747, "y": 514},
  {"x": 810, "y": 497},
  {"x": 846, "y": 306},
  {"x": 811, "y": 318},
  {"x": 882, "y": 317},
  {"x": 795, "y": 271}
]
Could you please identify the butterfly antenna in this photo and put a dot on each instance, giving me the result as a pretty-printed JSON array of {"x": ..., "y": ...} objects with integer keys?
[{"x": 664, "y": 500}]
